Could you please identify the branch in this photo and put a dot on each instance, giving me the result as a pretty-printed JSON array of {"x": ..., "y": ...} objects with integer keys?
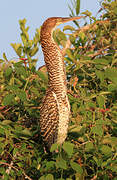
[
  {"x": 74, "y": 95},
  {"x": 98, "y": 52},
  {"x": 87, "y": 27},
  {"x": 11, "y": 166},
  {"x": 94, "y": 178}
]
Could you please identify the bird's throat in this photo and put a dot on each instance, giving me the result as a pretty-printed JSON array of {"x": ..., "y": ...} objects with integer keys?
[{"x": 55, "y": 64}]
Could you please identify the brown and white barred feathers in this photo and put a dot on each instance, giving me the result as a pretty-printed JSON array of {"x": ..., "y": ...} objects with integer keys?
[{"x": 55, "y": 110}]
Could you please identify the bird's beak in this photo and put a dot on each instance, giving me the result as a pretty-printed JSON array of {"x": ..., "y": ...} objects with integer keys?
[{"x": 64, "y": 20}]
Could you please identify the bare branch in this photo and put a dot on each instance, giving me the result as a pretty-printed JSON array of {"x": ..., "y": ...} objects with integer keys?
[{"x": 10, "y": 166}]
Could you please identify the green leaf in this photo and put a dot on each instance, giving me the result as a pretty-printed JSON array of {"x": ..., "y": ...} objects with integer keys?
[
  {"x": 15, "y": 150},
  {"x": 113, "y": 168},
  {"x": 68, "y": 147},
  {"x": 1, "y": 60},
  {"x": 22, "y": 22},
  {"x": 20, "y": 172},
  {"x": 2, "y": 139},
  {"x": 100, "y": 75},
  {"x": 111, "y": 73},
  {"x": 42, "y": 178},
  {"x": 35, "y": 91},
  {"x": 97, "y": 130},
  {"x": 13, "y": 87},
  {"x": 50, "y": 165},
  {"x": 82, "y": 35},
  {"x": 91, "y": 104},
  {"x": 8, "y": 72},
  {"x": 21, "y": 94},
  {"x": 61, "y": 36},
  {"x": 61, "y": 163},
  {"x": 75, "y": 166},
  {"x": 89, "y": 146},
  {"x": 68, "y": 28},
  {"x": 54, "y": 147},
  {"x": 8, "y": 99},
  {"x": 87, "y": 13},
  {"x": 106, "y": 150},
  {"x": 77, "y": 7},
  {"x": 49, "y": 177},
  {"x": 75, "y": 129},
  {"x": 101, "y": 61},
  {"x": 69, "y": 53},
  {"x": 18, "y": 48},
  {"x": 100, "y": 101},
  {"x": 2, "y": 131},
  {"x": 24, "y": 40},
  {"x": 21, "y": 71},
  {"x": 26, "y": 132},
  {"x": 98, "y": 161},
  {"x": 2, "y": 169},
  {"x": 33, "y": 51},
  {"x": 110, "y": 140},
  {"x": 112, "y": 87},
  {"x": 18, "y": 64},
  {"x": 74, "y": 108},
  {"x": 72, "y": 39},
  {"x": 20, "y": 164},
  {"x": 4, "y": 56},
  {"x": 42, "y": 75},
  {"x": 7, "y": 122}
]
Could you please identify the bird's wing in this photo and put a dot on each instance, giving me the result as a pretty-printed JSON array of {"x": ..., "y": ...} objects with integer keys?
[{"x": 49, "y": 117}]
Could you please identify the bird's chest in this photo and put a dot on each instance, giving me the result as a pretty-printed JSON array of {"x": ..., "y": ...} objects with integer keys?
[{"x": 64, "y": 112}]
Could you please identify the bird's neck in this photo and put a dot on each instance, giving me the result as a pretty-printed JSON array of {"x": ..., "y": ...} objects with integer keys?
[{"x": 55, "y": 63}]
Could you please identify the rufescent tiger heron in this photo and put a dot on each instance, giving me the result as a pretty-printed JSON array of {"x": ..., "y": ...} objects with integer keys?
[{"x": 55, "y": 110}]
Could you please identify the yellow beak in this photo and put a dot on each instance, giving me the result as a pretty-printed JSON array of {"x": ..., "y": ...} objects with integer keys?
[{"x": 64, "y": 20}]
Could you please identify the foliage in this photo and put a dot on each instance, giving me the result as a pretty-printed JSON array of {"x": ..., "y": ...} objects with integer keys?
[{"x": 90, "y": 151}]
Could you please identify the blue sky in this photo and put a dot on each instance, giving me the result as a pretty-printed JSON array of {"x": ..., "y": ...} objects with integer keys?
[{"x": 35, "y": 11}]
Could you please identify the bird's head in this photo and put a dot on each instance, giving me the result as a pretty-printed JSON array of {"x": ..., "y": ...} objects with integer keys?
[{"x": 52, "y": 22}]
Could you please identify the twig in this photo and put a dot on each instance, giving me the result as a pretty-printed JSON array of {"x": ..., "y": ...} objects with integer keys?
[
  {"x": 11, "y": 166},
  {"x": 87, "y": 27},
  {"x": 74, "y": 95},
  {"x": 98, "y": 53},
  {"x": 95, "y": 177}
]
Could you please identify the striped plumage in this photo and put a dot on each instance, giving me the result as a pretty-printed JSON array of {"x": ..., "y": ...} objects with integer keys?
[{"x": 55, "y": 110}]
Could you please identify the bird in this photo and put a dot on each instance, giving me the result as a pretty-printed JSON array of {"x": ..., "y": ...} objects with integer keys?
[{"x": 55, "y": 109}]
